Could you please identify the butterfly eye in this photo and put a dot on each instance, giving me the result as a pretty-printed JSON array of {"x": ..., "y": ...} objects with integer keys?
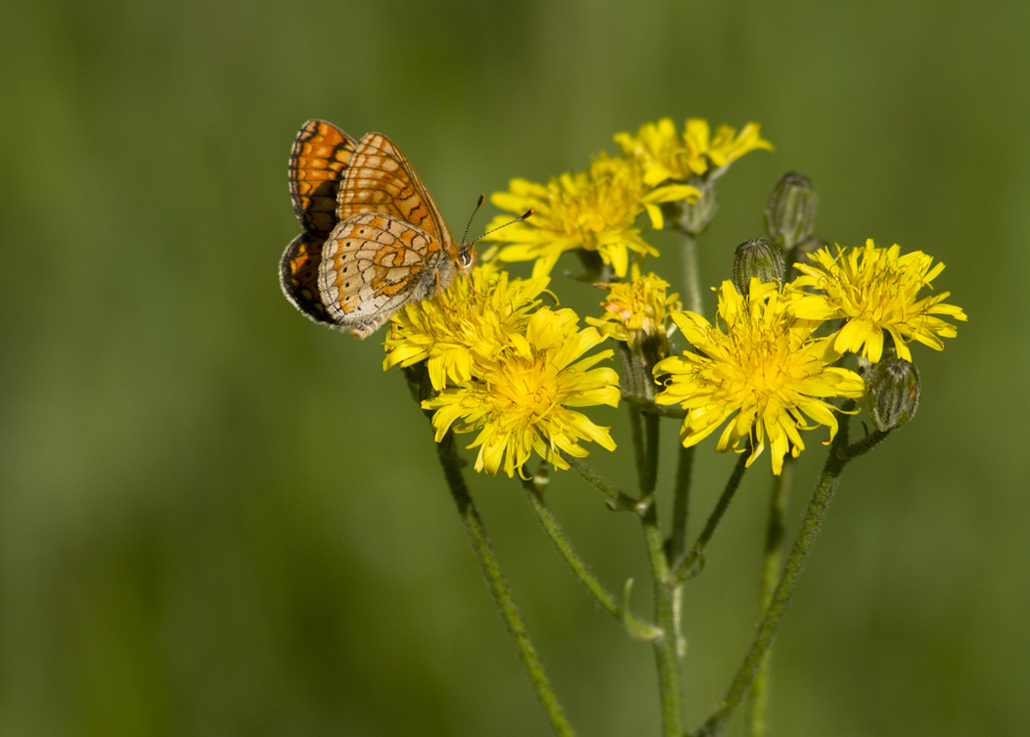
[{"x": 466, "y": 258}]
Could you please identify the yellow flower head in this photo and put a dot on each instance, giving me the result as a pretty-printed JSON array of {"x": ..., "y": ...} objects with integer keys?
[
  {"x": 521, "y": 402},
  {"x": 665, "y": 155},
  {"x": 876, "y": 291},
  {"x": 595, "y": 210},
  {"x": 765, "y": 371},
  {"x": 464, "y": 326},
  {"x": 636, "y": 310}
]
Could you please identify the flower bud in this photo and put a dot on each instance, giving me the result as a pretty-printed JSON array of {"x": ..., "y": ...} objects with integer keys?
[
  {"x": 892, "y": 386},
  {"x": 756, "y": 258},
  {"x": 790, "y": 212},
  {"x": 694, "y": 216}
]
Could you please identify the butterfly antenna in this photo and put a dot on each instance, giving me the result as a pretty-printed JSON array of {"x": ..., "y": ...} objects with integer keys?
[
  {"x": 468, "y": 226},
  {"x": 519, "y": 219},
  {"x": 468, "y": 244}
]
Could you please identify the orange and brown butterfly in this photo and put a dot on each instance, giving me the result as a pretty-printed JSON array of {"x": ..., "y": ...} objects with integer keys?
[{"x": 373, "y": 240}]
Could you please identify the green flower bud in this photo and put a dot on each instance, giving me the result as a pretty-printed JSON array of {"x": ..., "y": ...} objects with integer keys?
[
  {"x": 892, "y": 386},
  {"x": 790, "y": 212},
  {"x": 758, "y": 258},
  {"x": 693, "y": 217}
]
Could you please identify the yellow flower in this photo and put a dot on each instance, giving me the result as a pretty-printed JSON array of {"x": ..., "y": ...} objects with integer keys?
[
  {"x": 764, "y": 372},
  {"x": 464, "y": 325},
  {"x": 668, "y": 156},
  {"x": 521, "y": 402},
  {"x": 636, "y": 310},
  {"x": 876, "y": 291},
  {"x": 595, "y": 210}
]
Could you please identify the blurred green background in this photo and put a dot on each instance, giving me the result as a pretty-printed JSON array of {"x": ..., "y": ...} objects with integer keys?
[{"x": 217, "y": 518}]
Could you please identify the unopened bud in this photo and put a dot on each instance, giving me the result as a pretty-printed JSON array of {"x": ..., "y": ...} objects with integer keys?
[
  {"x": 694, "y": 216},
  {"x": 757, "y": 258},
  {"x": 790, "y": 212},
  {"x": 892, "y": 386}
]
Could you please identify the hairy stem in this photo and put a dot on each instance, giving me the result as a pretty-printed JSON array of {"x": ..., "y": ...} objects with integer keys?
[
  {"x": 490, "y": 566},
  {"x": 638, "y": 628},
  {"x": 775, "y": 538},
  {"x": 683, "y": 569}
]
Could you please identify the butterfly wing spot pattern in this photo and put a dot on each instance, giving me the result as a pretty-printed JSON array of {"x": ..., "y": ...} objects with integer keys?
[
  {"x": 372, "y": 265},
  {"x": 373, "y": 239}
]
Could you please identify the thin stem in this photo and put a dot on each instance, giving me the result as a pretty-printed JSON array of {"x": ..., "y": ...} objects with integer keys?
[
  {"x": 637, "y": 627},
  {"x": 490, "y": 566},
  {"x": 682, "y": 571},
  {"x": 666, "y": 648},
  {"x": 775, "y": 539},
  {"x": 649, "y": 472},
  {"x": 636, "y": 428},
  {"x": 681, "y": 503},
  {"x": 810, "y": 525},
  {"x": 691, "y": 275},
  {"x": 617, "y": 500},
  {"x": 864, "y": 445},
  {"x": 678, "y": 537}
]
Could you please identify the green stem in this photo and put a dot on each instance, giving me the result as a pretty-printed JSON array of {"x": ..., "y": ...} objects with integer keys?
[
  {"x": 678, "y": 538},
  {"x": 649, "y": 472},
  {"x": 813, "y": 519},
  {"x": 666, "y": 648},
  {"x": 636, "y": 433},
  {"x": 691, "y": 275},
  {"x": 490, "y": 566},
  {"x": 682, "y": 571},
  {"x": 681, "y": 504},
  {"x": 638, "y": 628},
  {"x": 617, "y": 500},
  {"x": 772, "y": 559}
]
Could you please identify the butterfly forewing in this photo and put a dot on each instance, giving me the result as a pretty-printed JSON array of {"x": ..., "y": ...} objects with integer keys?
[
  {"x": 381, "y": 179},
  {"x": 317, "y": 160},
  {"x": 319, "y": 157}
]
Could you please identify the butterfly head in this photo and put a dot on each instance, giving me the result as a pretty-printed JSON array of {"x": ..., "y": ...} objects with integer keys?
[
  {"x": 467, "y": 252},
  {"x": 467, "y": 256}
]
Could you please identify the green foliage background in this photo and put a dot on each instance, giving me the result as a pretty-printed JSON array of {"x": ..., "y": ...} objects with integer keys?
[{"x": 218, "y": 519}]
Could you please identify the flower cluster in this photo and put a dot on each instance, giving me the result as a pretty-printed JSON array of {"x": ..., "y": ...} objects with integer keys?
[
  {"x": 504, "y": 366},
  {"x": 767, "y": 372},
  {"x": 596, "y": 211}
]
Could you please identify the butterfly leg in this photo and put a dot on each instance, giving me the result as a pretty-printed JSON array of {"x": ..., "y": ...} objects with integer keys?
[{"x": 439, "y": 292}]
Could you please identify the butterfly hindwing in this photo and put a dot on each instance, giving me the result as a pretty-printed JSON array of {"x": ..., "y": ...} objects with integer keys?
[
  {"x": 374, "y": 264},
  {"x": 298, "y": 275}
]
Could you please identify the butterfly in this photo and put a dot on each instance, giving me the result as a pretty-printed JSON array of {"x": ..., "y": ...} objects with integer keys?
[{"x": 372, "y": 239}]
